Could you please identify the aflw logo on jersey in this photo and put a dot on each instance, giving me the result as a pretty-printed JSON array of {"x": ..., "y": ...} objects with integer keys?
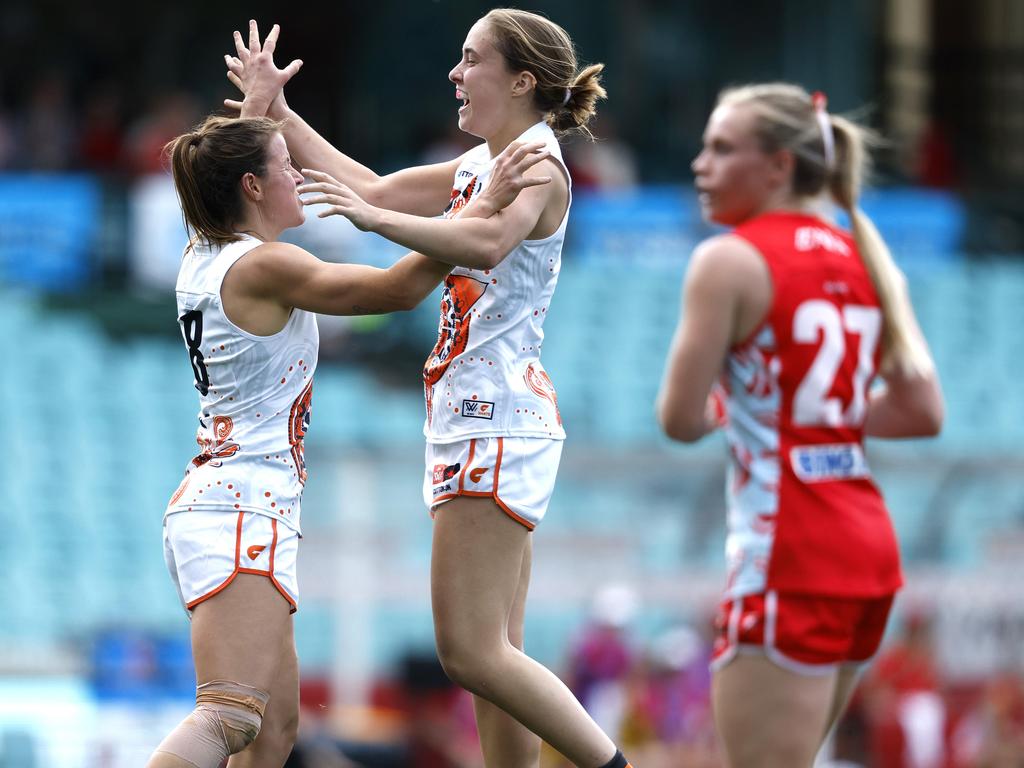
[
  {"x": 810, "y": 238},
  {"x": 477, "y": 409}
]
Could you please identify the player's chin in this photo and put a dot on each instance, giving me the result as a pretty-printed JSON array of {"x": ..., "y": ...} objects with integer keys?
[
  {"x": 468, "y": 125},
  {"x": 713, "y": 214}
]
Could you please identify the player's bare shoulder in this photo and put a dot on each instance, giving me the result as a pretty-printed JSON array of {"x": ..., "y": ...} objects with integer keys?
[{"x": 728, "y": 258}]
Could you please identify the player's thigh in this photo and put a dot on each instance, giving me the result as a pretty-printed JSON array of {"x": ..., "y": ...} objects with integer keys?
[
  {"x": 238, "y": 634},
  {"x": 476, "y": 567},
  {"x": 768, "y": 716},
  {"x": 847, "y": 677}
]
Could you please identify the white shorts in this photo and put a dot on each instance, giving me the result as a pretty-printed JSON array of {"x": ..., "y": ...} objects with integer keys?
[
  {"x": 517, "y": 472},
  {"x": 206, "y": 550}
]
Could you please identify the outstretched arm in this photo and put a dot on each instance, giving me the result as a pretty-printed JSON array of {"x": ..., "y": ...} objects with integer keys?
[
  {"x": 478, "y": 243},
  {"x": 421, "y": 191},
  {"x": 287, "y": 276}
]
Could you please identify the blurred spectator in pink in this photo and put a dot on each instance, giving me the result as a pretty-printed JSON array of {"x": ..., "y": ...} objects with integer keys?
[
  {"x": 46, "y": 134},
  {"x": 902, "y": 695},
  {"x": 7, "y": 146},
  {"x": 173, "y": 114},
  {"x": 669, "y": 718},
  {"x": 601, "y": 657}
]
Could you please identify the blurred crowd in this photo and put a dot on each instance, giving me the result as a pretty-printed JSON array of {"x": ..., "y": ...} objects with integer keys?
[
  {"x": 96, "y": 132},
  {"x": 52, "y": 131},
  {"x": 655, "y": 697}
]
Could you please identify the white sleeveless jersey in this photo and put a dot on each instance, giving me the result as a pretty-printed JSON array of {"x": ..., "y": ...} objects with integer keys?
[
  {"x": 254, "y": 397},
  {"x": 484, "y": 376}
]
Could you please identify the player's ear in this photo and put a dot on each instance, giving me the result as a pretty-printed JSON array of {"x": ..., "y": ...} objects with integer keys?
[
  {"x": 524, "y": 83},
  {"x": 781, "y": 165},
  {"x": 251, "y": 187}
]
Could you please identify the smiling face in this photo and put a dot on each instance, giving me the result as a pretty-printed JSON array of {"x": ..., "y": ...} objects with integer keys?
[
  {"x": 484, "y": 84},
  {"x": 735, "y": 178},
  {"x": 280, "y": 204}
]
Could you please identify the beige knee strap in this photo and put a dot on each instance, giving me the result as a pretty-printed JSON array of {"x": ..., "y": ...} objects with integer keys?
[{"x": 226, "y": 720}]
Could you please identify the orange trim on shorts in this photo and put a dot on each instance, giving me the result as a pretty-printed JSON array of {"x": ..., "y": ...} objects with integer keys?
[
  {"x": 462, "y": 474},
  {"x": 253, "y": 571},
  {"x": 497, "y": 466},
  {"x": 238, "y": 540},
  {"x": 492, "y": 494},
  {"x": 484, "y": 495}
]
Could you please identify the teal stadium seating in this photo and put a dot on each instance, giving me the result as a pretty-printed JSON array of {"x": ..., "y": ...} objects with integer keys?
[{"x": 97, "y": 430}]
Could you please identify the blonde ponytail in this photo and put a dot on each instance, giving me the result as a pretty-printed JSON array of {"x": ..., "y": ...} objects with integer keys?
[{"x": 903, "y": 347}]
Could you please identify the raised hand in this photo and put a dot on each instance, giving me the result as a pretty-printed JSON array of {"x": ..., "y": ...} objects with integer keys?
[
  {"x": 255, "y": 74},
  {"x": 508, "y": 179},
  {"x": 341, "y": 199}
]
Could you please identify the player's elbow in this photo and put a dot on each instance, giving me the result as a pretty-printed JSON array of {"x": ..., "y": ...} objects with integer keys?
[
  {"x": 682, "y": 432},
  {"x": 931, "y": 417},
  {"x": 402, "y": 301},
  {"x": 678, "y": 426},
  {"x": 923, "y": 404},
  {"x": 488, "y": 254}
]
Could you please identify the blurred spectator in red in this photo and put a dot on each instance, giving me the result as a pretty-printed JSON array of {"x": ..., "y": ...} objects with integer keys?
[
  {"x": 607, "y": 163},
  {"x": 174, "y": 113},
  {"x": 936, "y": 163},
  {"x": 447, "y": 145},
  {"x": 905, "y": 711},
  {"x": 440, "y": 728},
  {"x": 992, "y": 734},
  {"x": 101, "y": 143}
]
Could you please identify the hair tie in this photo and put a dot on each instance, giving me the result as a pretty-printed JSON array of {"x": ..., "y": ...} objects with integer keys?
[
  {"x": 820, "y": 103},
  {"x": 568, "y": 95}
]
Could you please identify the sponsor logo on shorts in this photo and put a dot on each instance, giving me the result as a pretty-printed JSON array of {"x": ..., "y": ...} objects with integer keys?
[
  {"x": 442, "y": 489},
  {"x": 818, "y": 463},
  {"x": 477, "y": 474},
  {"x": 477, "y": 409},
  {"x": 255, "y": 551},
  {"x": 443, "y": 473}
]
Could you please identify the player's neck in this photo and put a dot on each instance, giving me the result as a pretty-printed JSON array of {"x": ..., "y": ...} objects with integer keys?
[
  {"x": 784, "y": 201},
  {"x": 512, "y": 130},
  {"x": 258, "y": 228}
]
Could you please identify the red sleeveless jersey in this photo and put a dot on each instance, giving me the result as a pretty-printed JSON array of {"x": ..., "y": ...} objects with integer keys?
[{"x": 804, "y": 514}]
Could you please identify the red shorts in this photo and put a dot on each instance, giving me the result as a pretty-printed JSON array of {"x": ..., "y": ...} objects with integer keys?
[{"x": 802, "y": 633}]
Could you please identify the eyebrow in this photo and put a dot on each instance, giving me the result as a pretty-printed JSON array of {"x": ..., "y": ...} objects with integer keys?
[{"x": 467, "y": 51}]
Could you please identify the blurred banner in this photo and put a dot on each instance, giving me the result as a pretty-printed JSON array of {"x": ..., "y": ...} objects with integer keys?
[{"x": 48, "y": 230}]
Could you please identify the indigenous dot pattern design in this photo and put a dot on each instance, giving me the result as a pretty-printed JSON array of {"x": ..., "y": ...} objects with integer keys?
[
  {"x": 258, "y": 407},
  {"x": 484, "y": 375}
]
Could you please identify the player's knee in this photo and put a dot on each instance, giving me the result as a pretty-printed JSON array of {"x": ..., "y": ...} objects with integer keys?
[
  {"x": 282, "y": 735},
  {"x": 226, "y": 720},
  {"x": 467, "y": 663},
  {"x": 453, "y": 653},
  {"x": 238, "y": 708}
]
